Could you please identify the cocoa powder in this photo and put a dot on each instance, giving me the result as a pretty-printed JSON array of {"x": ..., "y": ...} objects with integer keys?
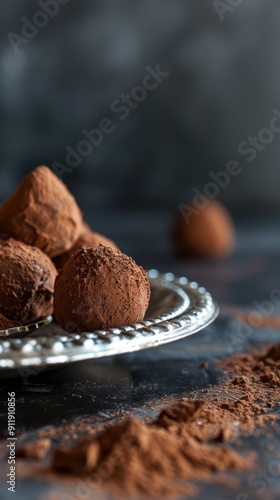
[
  {"x": 132, "y": 458},
  {"x": 252, "y": 318},
  {"x": 188, "y": 441}
]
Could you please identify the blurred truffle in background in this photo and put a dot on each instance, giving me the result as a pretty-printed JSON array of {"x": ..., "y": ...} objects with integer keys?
[{"x": 206, "y": 232}]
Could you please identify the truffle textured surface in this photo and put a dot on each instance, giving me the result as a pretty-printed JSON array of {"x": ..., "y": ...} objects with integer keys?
[
  {"x": 204, "y": 233},
  {"x": 87, "y": 238},
  {"x": 42, "y": 213},
  {"x": 100, "y": 288},
  {"x": 27, "y": 282},
  {"x": 6, "y": 323}
]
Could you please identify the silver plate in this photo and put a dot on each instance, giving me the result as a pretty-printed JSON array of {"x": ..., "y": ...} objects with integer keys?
[
  {"x": 21, "y": 331},
  {"x": 178, "y": 308}
]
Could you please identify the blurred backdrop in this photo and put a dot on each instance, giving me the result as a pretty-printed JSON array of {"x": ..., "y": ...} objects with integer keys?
[{"x": 70, "y": 67}]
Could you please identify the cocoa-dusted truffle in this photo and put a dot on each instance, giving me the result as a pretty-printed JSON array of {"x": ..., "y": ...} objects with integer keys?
[
  {"x": 6, "y": 323},
  {"x": 27, "y": 282},
  {"x": 42, "y": 213},
  {"x": 88, "y": 238},
  {"x": 207, "y": 232},
  {"x": 100, "y": 288}
]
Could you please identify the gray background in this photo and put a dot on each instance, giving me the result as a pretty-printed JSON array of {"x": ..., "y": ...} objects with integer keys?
[{"x": 224, "y": 81}]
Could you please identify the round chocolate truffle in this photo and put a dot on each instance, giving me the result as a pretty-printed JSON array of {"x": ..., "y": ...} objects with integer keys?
[
  {"x": 100, "y": 288},
  {"x": 6, "y": 323},
  {"x": 27, "y": 282},
  {"x": 205, "y": 233},
  {"x": 88, "y": 238},
  {"x": 42, "y": 213}
]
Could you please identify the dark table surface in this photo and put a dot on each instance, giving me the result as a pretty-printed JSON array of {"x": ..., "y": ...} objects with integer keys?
[{"x": 132, "y": 382}]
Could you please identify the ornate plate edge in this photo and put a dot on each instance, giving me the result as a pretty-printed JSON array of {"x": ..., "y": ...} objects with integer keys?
[{"x": 203, "y": 310}]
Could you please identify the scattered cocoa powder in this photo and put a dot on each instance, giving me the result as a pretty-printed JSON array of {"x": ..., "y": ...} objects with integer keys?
[
  {"x": 184, "y": 411},
  {"x": 252, "y": 318},
  {"x": 68, "y": 432},
  {"x": 265, "y": 365},
  {"x": 138, "y": 456},
  {"x": 187, "y": 441}
]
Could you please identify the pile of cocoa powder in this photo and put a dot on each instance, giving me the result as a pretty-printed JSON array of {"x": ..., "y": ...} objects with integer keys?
[{"x": 188, "y": 441}]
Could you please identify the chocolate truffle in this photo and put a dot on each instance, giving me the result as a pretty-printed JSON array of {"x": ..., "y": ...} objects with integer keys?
[
  {"x": 42, "y": 213},
  {"x": 88, "y": 238},
  {"x": 27, "y": 282},
  {"x": 6, "y": 323},
  {"x": 207, "y": 233},
  {"x": 100, "y": 288}
]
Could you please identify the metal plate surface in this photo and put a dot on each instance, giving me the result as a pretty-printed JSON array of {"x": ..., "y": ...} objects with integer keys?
[{"x": 178, "y": 308}]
